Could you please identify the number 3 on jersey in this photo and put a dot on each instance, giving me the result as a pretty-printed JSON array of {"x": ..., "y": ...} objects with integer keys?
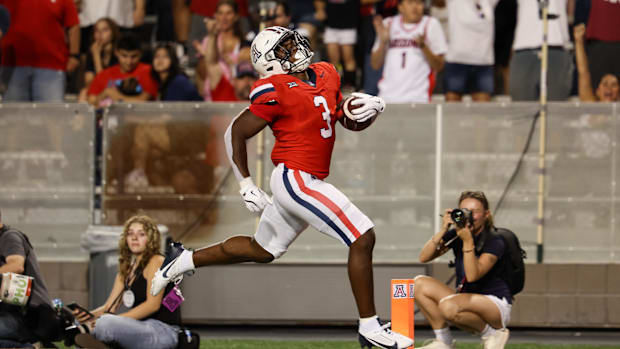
[{"x": 318, "y": 101}]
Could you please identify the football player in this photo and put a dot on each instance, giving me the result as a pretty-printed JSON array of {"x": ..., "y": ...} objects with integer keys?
[{"x": 300, "y": 102}]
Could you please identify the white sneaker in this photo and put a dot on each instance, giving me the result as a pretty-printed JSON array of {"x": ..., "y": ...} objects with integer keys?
[
  {"x": 178, "y": 261},
  {"x": 497, "y": 340},
  {"x": 436, "y": 344},
  {"x": 384, "y": 338}
]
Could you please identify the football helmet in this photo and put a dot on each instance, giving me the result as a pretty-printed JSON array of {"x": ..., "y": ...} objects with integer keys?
[{"x": 271, "y": 56}]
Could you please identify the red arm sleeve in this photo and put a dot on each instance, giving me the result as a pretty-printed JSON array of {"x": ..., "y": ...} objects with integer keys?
[
  {"x": 267, "y": 112},
  {"x": 264, "y": 100}
]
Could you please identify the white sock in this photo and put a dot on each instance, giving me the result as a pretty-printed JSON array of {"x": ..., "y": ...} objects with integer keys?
[
  {"x": 444, "y": 335},
  {"x": 488, "y": 330},
  {"x": 186, "y": 260},
  {"x": 369, "y": 324}
]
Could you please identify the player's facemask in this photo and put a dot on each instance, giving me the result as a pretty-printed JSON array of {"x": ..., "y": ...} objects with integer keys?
[
  {"x": 274, "y": 48},
  {"x": 296, "y": 46}
]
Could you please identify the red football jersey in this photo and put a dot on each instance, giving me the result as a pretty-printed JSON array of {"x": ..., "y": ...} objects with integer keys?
[{"x": 302, "y": 116}]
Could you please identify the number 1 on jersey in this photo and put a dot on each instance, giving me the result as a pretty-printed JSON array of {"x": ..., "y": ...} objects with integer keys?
[{"x": 318, "y": 101}]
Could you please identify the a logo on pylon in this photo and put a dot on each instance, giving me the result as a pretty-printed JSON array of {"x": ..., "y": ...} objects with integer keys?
[{"x": 399, "y": 291}]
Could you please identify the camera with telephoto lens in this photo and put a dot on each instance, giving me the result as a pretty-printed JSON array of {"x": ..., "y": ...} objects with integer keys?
[{"x": 462, "y": 216}]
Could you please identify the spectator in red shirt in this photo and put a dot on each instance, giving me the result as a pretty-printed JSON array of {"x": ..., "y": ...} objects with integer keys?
[
  {"x": 225, "y": 85},
  {"x": 128, "y": 81},
  {"x": 35, "y": 54},
  {"x": 239, "y": 88},
  {"x": 603, "y": 40},
  {"x": 223, "y": 47}
]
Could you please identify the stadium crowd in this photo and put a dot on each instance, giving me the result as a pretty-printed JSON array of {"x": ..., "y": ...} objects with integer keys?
[{"x": 105, "y": 51}]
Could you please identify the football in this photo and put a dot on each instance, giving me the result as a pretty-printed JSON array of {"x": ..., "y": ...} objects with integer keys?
[{"x": 348, "y": 122}]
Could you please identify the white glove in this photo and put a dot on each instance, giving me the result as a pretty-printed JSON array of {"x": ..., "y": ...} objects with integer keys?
[
  {"x": 255, "y": 198},
  {"x": 370, "y": 105}
]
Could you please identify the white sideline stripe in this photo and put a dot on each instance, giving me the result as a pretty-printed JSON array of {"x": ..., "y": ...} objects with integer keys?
[{"x": 260, "y": 88}]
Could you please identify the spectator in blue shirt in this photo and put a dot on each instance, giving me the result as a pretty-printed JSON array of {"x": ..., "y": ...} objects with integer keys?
[{"x": 174, "y": 85}]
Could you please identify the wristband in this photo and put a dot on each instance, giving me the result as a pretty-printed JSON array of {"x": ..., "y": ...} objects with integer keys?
[
  {"x": 245, "y": 183},
  {"x": 465, "y": 251}
]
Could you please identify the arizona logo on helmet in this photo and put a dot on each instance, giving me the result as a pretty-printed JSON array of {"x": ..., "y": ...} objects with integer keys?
[{"x": 255, "y": 54}]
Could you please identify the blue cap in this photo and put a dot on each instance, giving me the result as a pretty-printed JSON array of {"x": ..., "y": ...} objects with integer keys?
[{"x": 245, "y": 69}]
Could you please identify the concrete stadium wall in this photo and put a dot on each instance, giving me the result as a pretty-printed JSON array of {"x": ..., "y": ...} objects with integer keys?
[
  {"x": 564, "y": 295},
  {"x": 555, "y": 295},
  {"x": 66, "y": 280}
]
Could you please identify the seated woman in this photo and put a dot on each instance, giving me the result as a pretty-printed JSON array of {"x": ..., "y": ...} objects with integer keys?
[
  {"x": 482, "y": 300},
  {"x": 131, "y": 317},
  {"x": 608, "y": 89},
  {"x": 174, "y": 85},
  {"x": 101, "y": 54}
]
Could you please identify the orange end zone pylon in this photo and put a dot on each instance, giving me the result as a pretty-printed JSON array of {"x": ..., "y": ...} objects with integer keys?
[{"x": 402, "y": 291}]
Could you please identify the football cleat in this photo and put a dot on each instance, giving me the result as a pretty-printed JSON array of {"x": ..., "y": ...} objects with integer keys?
[
  {"x": 178, "y": 261},
  {"x": 384, "y": 338}
]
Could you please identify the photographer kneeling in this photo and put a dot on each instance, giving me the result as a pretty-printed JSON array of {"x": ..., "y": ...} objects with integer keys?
[
  {"x": 17, "y": 325},
  {"x": 482, "y": 301}
]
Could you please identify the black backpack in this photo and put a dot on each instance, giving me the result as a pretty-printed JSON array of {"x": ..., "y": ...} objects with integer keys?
[{"x": 513, "y": 266}]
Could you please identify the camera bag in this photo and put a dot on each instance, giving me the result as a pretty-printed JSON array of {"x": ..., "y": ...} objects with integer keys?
[{"x": 513, "y": 265}]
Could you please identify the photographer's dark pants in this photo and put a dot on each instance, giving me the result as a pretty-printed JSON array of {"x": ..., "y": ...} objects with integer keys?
[{"x": 13, "y": 330}]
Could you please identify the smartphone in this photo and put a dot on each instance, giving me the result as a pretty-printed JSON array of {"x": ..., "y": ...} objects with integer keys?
[{"x": 74, "y": 306}]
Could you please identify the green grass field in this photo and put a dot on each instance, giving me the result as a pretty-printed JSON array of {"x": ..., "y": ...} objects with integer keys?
[
  {"x": 253, "y": 344},
  {"x": 258, "y": 344}
]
